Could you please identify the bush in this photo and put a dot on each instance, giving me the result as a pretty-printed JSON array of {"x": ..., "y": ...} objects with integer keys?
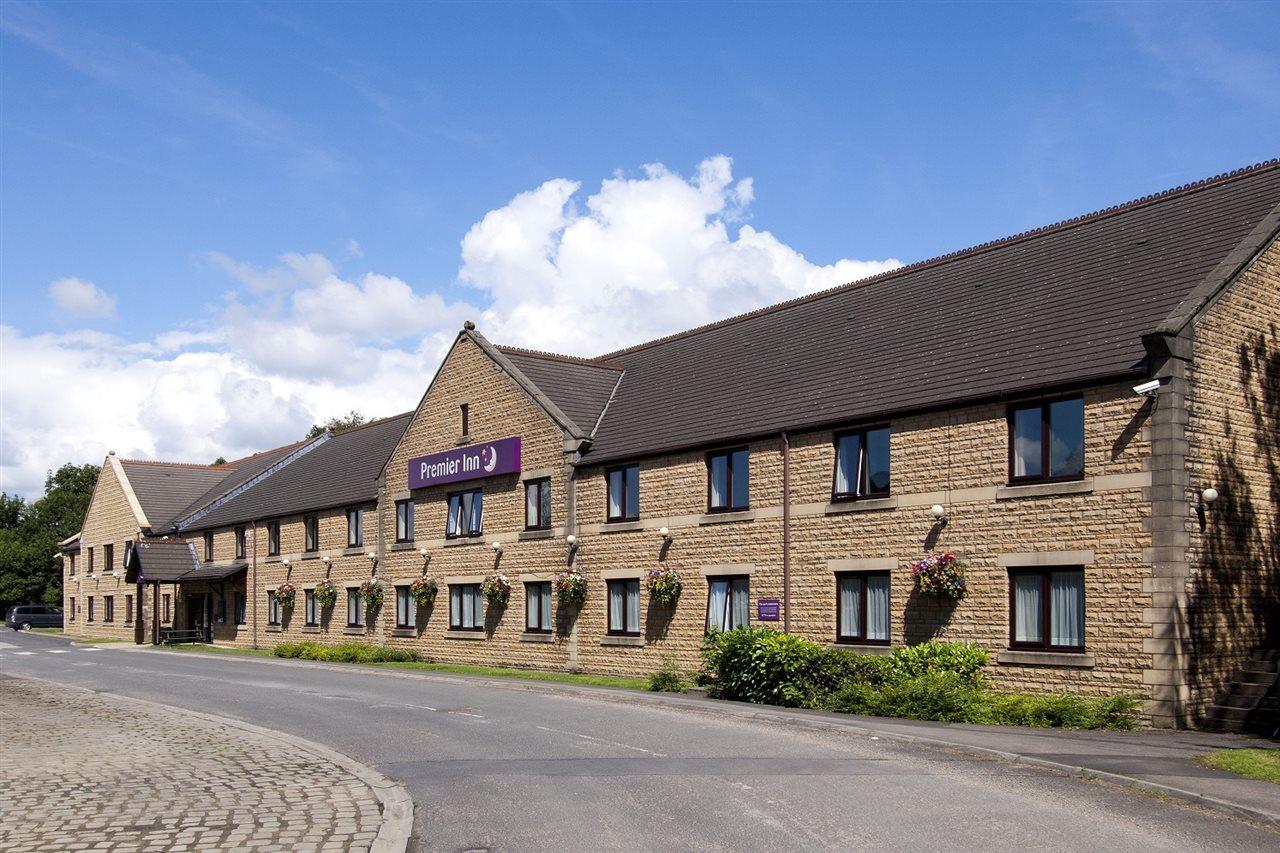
[
  {"x": 667, "y": 677},
  {"x": 963, "y": 659},
  {"x": 765, "y": 666},
  {"x": 943, "y": 696},
  {"x": 344, "y": 653}
]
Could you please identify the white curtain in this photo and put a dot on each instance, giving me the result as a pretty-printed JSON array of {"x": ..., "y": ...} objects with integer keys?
[
  {"x": 717, "y": 602},
  {"x": 477, "y": 509},
  {"x": 531, "y": 505},
  {"x": 455, "y": 605},
  {"x": 1066, "y": 608},
  {"x": 1027, "y": 626},
  {"x": 741, "y": 603},
  {"x": 633, "y": 605},
  {"x": 878, "y": 607},
  {"x": 617, "y": 593},
  {"x": 719, "y": 477},
  {"x": 847, "y": 464},
  {"x": 850, "y": 607},
  {"x": 545, "y": 599},
  {"x": 1027, "y": 432},
  {"x": 455, "y": 515},
  {"x": 615, "y": 494}
]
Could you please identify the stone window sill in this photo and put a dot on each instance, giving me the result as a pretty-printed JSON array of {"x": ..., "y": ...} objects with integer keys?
[
  {"x": 354, "y": 630},
  {"x": 1021, "y": 657},
  {"x": 354, "y": 551},
  {"x": 310, "y": 629},
  {"x": 311, "y": 555},
  {"x": 463, "y": 540},
  {"x": 621, "y": 641},
  {"x": 403, "y": 546},
  {"x": 863, "y": 648},
  {"x": 273, "y": 558},
  {"x": 621, "y": 526},
  {"x": 274, "y": 629},
  {"x": 528, "y": 535},
  {"x": 404, "y": 632},
  {"x": 537, "y": 637},
  {"x": 726, "y": 517},
  {"x": 868, "y": 505},
  {"x": 464, "y": 635},
  {"x": 1045, "y": 490}
]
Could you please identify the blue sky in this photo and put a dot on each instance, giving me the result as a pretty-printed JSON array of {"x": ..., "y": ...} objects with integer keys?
[{"x": 193, "y": 168}]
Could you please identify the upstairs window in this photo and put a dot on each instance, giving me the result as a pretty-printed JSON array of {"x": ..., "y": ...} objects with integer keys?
[
  {"x": 108, "y": 558},
  {"x": 355, "y": 527},
  {"x": 862, "y": 608},
  {"x": 466, "y": 607},
  {"x": 623, "y": 486},
  {"x": 71, "y": 564},
  {"x": 91, "y": 559},
  {"x": 128, "y": 551},
  {"x": 1046, "y": 441},
  {"x": 728, "y": 480},
  {"x": 273, "y": 538},
  {"x": 465, "y": 411},
  {"x": 466, "y": 514},
  {"x": 1047, "y": 609},
  {"x": 862, "y": 464},
  {"x": 728, "y": 603},
  {"x": 208, "y": 546},
  {"x": 240, "y": 543},
  {"x": 404, "y": 521},
  {"x": 537, "y": 504},
  {"x": 310, "y": 533}
]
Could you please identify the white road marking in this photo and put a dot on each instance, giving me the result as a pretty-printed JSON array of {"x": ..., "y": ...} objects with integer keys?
[
  {"x": 602, "y": 740},
  {"x": 90, "y": 649},
  {"x": 7, "y": 646},
  {"x": 58, "y": 651},
  {"x": 24, "y": 653}
]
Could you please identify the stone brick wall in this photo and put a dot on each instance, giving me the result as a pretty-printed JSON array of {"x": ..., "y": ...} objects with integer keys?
[{"x": 1232, "y": 601}]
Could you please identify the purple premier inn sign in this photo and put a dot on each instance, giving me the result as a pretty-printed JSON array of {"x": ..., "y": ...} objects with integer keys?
[{"x": 466, "y": 463}]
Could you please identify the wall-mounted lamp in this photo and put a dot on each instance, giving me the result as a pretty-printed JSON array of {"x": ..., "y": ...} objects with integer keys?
[
  {"x": 571, "y": 539},
  {"x": 939, "y": 514},
  {"x": 1207, "y": 497},
  {"x": 423, "y": 552},
  {"x": 665, "y": 533},
  {"x": 285, "y": 561},
  {"x": 497, "y": 546}
]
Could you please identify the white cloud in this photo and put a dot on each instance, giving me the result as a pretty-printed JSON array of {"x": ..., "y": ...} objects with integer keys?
[
  {"x": 299, "y": 342},
  {"x": 82, "y": 298}
]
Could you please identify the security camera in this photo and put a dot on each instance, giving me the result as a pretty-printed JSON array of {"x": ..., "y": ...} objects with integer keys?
[{"x": 1148, "y": 389}]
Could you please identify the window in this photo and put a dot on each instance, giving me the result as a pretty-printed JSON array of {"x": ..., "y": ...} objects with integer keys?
[
  {"x": 404, "y": 521},
  {"x": 537, "y": 504},
  {"x": 862, "y": 608},
  {"x": 465, "y": 409},
  {"x": 166, "y": 601},
  {"x": 91, "y": 608},
  {"x": 91, "y": 560},
  {"x": 108, "y": 608},
  {"x": 466, "y": 510},
  {"x": 466, "y": 607},
  {"x": 313, "y": 607},
  {"x": 310, "y": 533},
  {"x": 1046, "y": 441},
  {"x": 728, "y": 480},
  {"x": 355, "y": 527},
  {"x": 624, "y": 607},
  {"x": 273, "y": 608},
  {"x": 72, "y": 608},
  {"x": 1046, "y": 609},
  {"x": 728, "y": 603},
  {"x": 208, "y": 546},
  {"x": 128, "y": 610},
  {"x": 72, "y": 564},
  {"x": 128, "y": 552},
  {"x": 862, "y": 465},
  {"x": 355, "y": 608},
  {"x": 537, "y": 607},
  {"x": 240, "y": 543},
  {"x": 624, "y": 493},
  {"x": 108, "y": 558},
  {"x": 273, "y": 538},
  {"x": 406, "y": 608},
  {"x": 240, "y": 608}
]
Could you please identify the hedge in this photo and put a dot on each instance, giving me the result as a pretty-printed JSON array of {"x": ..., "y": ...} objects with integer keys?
[{"x": 343, "y": 652}]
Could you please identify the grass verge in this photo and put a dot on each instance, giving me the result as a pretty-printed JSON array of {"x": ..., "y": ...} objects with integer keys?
[
  {"x": 57, "y": 631},
  {"x": 97, "y": 641},
  {"x": 623, "y": 681},
  {"x": 217, "y": 650},
  {"x": 1262, "y": 764}
]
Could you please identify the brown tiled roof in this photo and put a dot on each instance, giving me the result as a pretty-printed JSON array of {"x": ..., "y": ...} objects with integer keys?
[
  {"x": 165, "y": 489},
  {"x": 580, "y": 388},
  {"x": 341, "y": 471},
  {"x": 242, "y": 471},
  {"x": 1063, "y": 304},
  {"x": 165, "y": 559}
]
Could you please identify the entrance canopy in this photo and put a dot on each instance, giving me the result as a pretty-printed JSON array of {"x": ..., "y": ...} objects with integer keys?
[{"x": 174, "y": 561}]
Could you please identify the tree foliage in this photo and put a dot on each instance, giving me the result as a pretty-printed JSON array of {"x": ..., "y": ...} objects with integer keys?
[
  {"x": 30, "y": 533},
  {"x": 351, "y": 419}
]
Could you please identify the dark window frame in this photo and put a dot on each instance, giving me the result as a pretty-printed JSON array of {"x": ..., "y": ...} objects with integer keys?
[
  {"x": 861, "y": 639},
  {"x": 128, "y": 609},
  {"x": 478, "y": 596},
  {"x": 706, "y": 610},
  {"x": 542, "y": 523},
  {"x": 208, "y": 546},
  {"x": 1046, "y": 435},
  {"x": 166, "y": 601},
  {"x": 128, "y": 550},
  {"x": 728, "y": 453},
  {"x": 1046, "y": 628},
  {"x": 310, "y": 534},
  {"x": 404, "y": 595},
  {"x": 629, "y": 513},
  {"x": 241, "y": 608},
  {"x": 861, "y": 432},
  {"x": 465, "y": 410},
  {"x": 108, "y": 608},
  {"x": 71, "y": 601},
  {"x": 404, "y": 520},
  {"x": 108, "y": 557},
  {"x": 608, "y": 595},
  {"x": 544, "y": 589},
  {"x": 273, "y": 539},
  {"x": 91, "y": 613},
  {"x": 241, "y": 543},
  {"x": 275, "y": 613},
  {"x": 356, "y": 512},
  {"x": 463, "y": 532},
  {"x": 311, "y": 608},
  {"x": 353, "y": 597}
]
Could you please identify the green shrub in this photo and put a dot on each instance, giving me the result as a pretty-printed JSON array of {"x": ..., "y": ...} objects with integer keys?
[
  {"x": 963, "y": 659},
  {"x": 667, "y": 678},
  {"x": 765, "y": 666},
  {"x": 343, "y": 652},
  {"x": 944, "y": 696}
]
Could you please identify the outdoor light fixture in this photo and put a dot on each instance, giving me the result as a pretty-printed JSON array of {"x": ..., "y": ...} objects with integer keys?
[
  {"x": 285, "y": 561},
  {"x": 1207, "y": 497},
  {"x": 939, "y": 514},
  {"x": 422, "y": 551},
  {"x": 571, "y": 539},
  {"x": 497, "y": 546},
  {"x": 665, "y": 533}
]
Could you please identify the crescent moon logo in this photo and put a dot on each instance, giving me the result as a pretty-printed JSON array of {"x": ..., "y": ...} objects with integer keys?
[{"x": 493, "y": 458}]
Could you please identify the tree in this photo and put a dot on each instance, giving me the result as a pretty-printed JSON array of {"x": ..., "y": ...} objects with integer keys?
[
  {"x": 221, "y": 460},
  {"x": 30, "y": 533},
  {"x": 351, "y": 419}
]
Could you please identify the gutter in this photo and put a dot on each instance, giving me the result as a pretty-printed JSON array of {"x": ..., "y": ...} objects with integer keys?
[{"x": 786, "y": 531}]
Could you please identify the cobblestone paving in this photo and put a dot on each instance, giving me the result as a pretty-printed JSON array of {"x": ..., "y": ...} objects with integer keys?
[{"x": 82, "y": 771}]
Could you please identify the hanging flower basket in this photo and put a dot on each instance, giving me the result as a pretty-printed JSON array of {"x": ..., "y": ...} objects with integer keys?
[
  {"x": 941, "y": 575},
  {"x": 424, "y": 591},
  {"x": 496, "y": 589},
  {"x": 285, "y": 594},
  {"x": 664, "y": 585},
  {"x": 371, "y": 593},
  {"x": 571, "y": 587},
  {"x": 326, "y": 594}
]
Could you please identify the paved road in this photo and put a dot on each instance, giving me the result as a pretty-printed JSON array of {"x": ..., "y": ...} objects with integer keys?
[{"x": 512, "y": 768}]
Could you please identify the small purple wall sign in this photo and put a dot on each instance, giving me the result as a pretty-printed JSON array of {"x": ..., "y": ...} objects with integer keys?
[
  {"x": 466, "y": 463},
  {"x": 768, "y": 609}
]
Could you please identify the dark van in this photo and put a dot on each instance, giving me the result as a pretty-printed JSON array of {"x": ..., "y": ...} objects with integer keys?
[{"x": 26, "y": 616}]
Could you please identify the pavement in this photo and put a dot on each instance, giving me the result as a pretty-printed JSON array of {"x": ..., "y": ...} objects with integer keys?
[{"x": 494, "y": 764}]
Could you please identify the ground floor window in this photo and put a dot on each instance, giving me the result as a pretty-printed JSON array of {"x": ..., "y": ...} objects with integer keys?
[
  {"x": 355, "y": 608},
  {"x": 466, "y": 607},
  {"x": 406, "y": 608},
  {"x": 166, "y": 601},
  {"x": 1046, "y": 608},
  {"x": 313, "y": 608},
  {"x": 862, "y": 607},
  {"x": 240, "y": 608},
  {"x": 728, "y": 603},
  {"x": 537, "y": 607},
  {"x": 128, "y": 610},
  {"x": 624, "y": 607},
  {"x": 71, "y": 610},
  {"x": 273, "y": 608},
  {"x": 108, "y": 608},
  {"x": 91, "y": 608}
]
